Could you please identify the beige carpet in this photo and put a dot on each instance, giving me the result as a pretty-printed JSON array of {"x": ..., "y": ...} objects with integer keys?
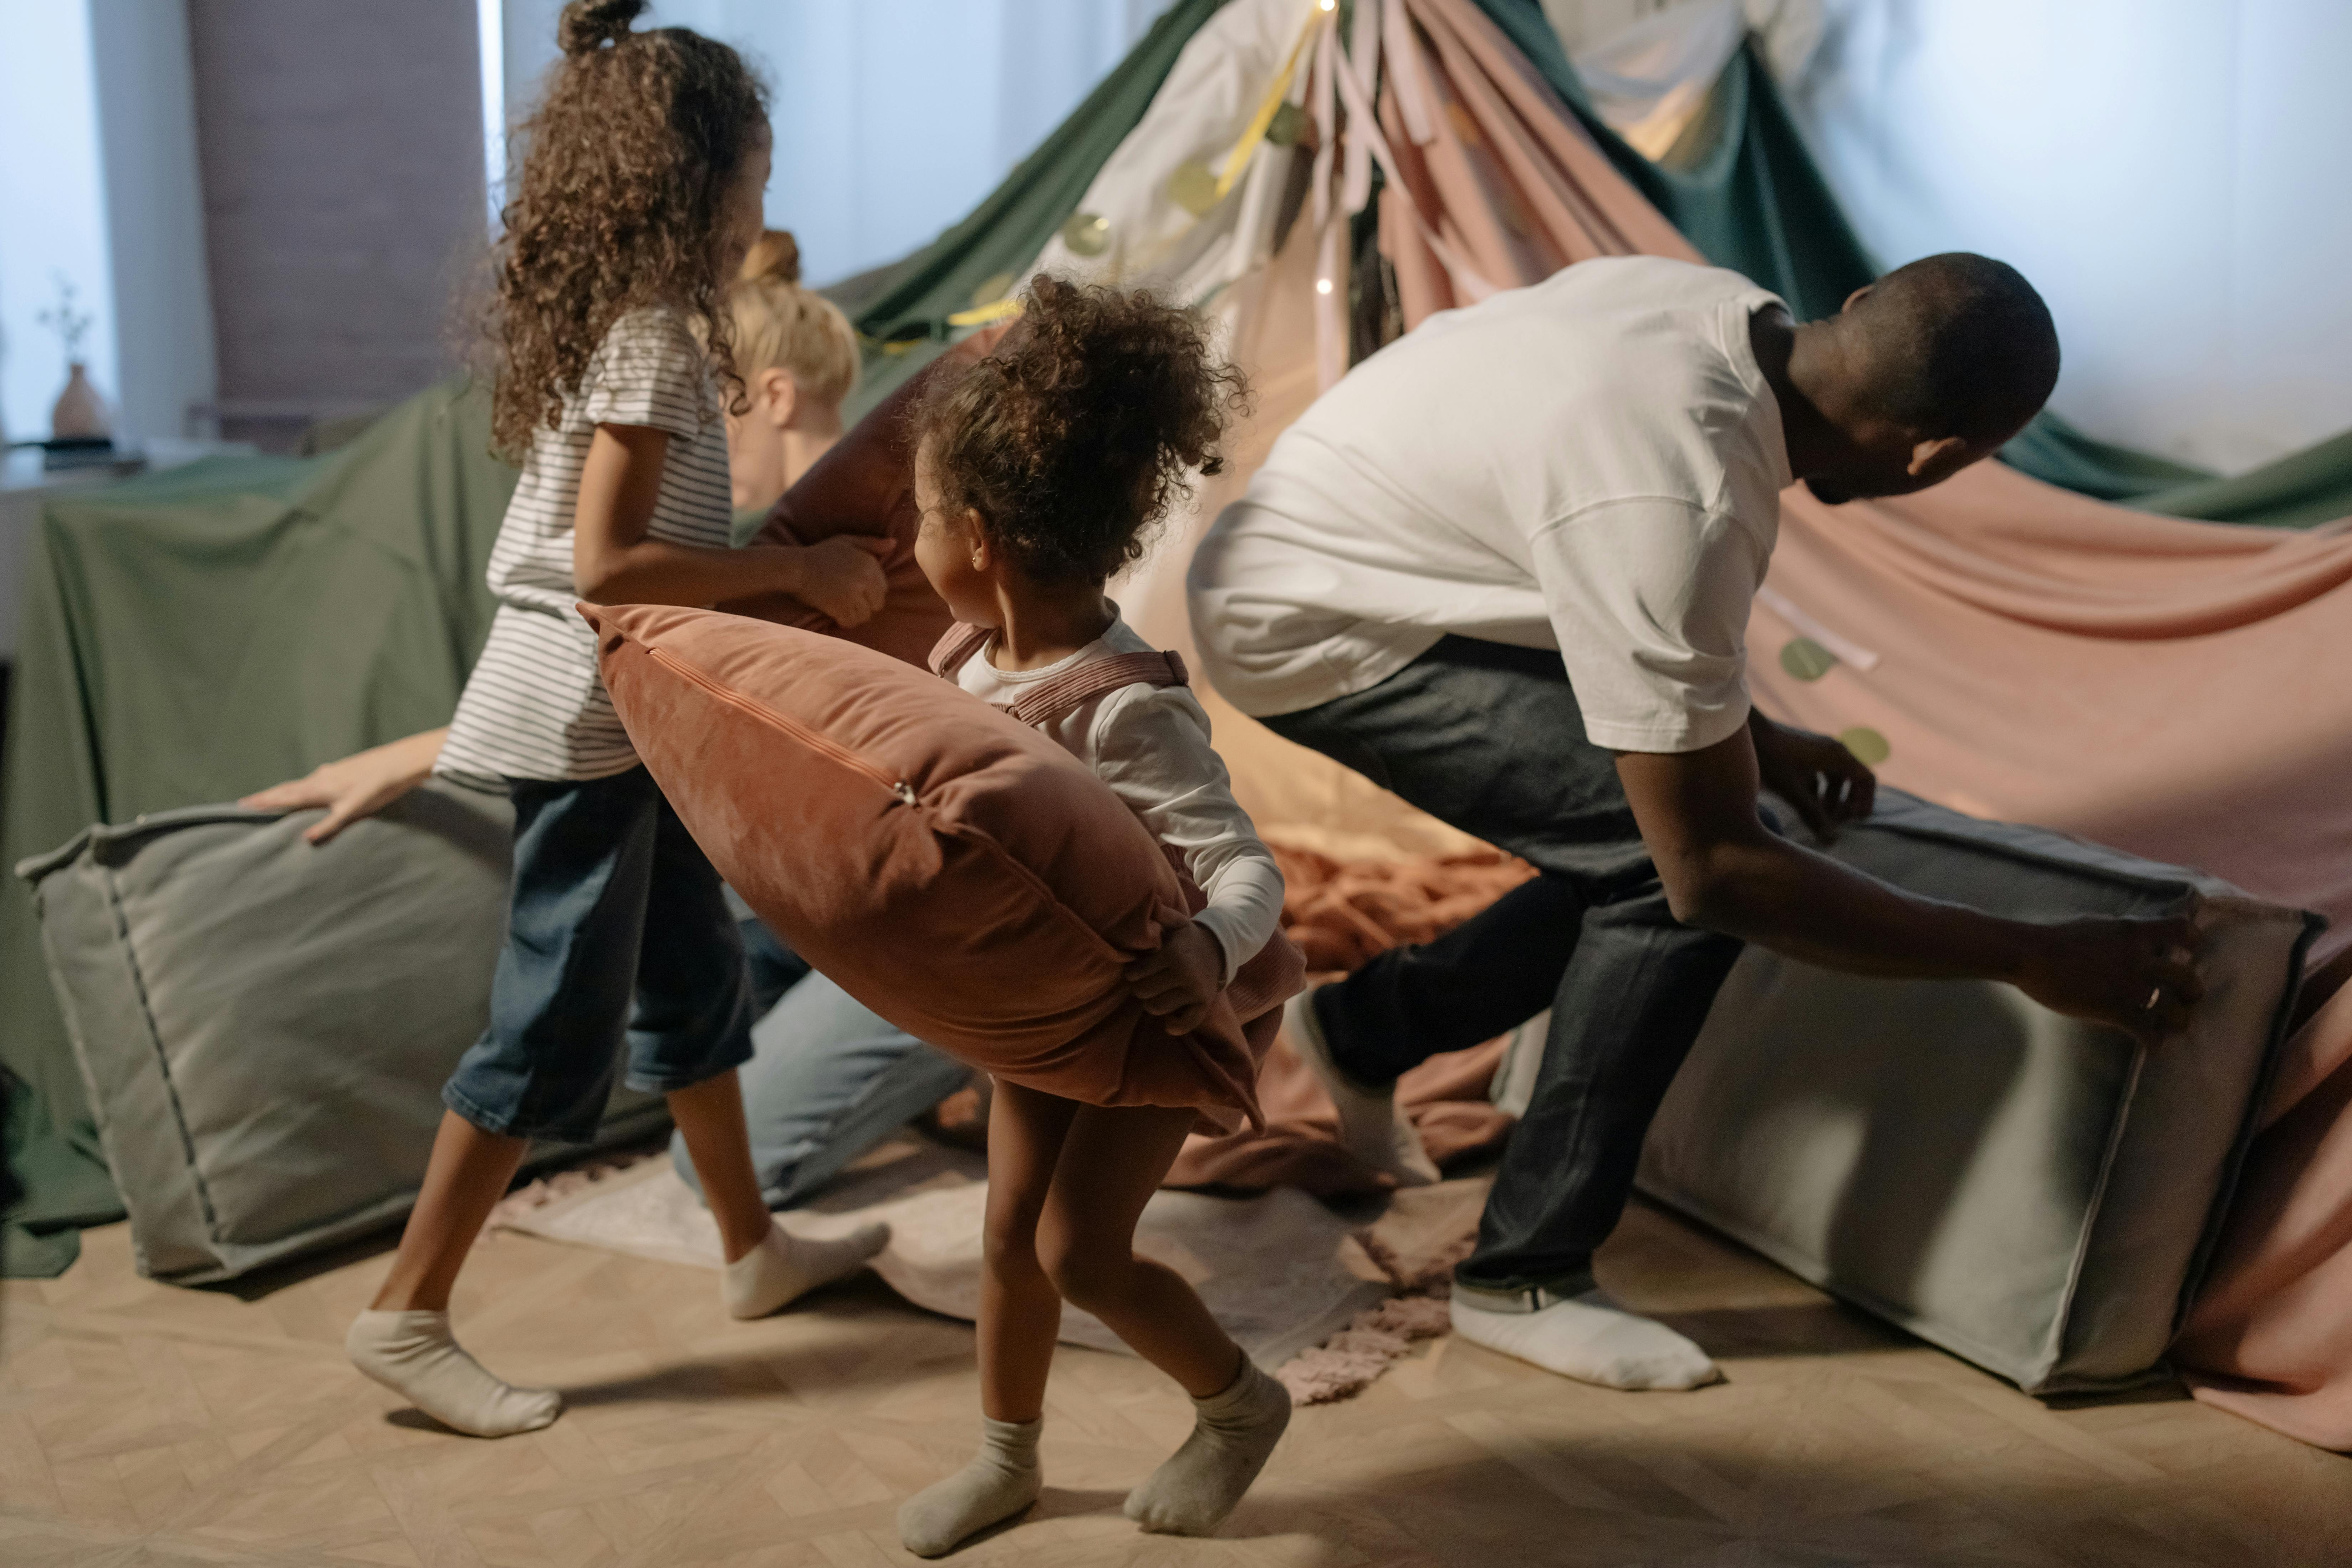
[{"x": 1282, "y": 1271}]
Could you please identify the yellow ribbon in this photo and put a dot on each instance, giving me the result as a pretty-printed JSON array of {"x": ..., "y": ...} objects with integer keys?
[
  {"x": 987, "y": 315},
  {"x": 1268, "y": 106}
]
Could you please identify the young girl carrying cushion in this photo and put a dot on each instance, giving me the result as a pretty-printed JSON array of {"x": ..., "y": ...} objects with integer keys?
[
  {"x": 638, "y": 196},
  {"x": 1040, "y": 472}
]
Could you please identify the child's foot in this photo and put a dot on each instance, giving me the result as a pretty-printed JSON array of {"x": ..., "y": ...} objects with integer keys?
[
  {"x": 1000, "y": 1482},
  {"x": 1236, "y": 1432},
  {"x": 1592, "y": 1338},
  {"x": 1370, "y": 1127},
  {"x": 414, "y": 1354},
  {"x": 784, "y": 1267}
]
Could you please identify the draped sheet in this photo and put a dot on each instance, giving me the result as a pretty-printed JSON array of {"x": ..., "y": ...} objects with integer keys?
[{"x": 2013, "y": 650}]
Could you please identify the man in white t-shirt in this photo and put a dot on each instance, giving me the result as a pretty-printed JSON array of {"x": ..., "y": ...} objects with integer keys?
[{"x": 1503, "y": 569}]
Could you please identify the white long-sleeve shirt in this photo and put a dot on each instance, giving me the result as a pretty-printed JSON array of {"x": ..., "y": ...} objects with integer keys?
[{"x": 1150, "y": 745}]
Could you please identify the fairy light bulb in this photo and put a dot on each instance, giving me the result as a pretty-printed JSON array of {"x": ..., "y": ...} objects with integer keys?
[
  {"x": 1322, "y": 285},
  {"x": 1330, "y": 4}
]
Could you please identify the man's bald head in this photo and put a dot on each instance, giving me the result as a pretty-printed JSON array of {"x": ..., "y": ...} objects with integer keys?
[
  {"x": 1956, "y": 344},
  {"x": 1927, "y": 370}
]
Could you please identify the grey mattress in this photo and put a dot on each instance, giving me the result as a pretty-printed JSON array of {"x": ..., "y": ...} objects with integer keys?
[
  {"x": 264, "y": 1026},
  {"x": 2028, "y": 1191}
]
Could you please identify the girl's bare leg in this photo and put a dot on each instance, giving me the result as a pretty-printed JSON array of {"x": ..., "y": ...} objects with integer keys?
[
  {"x": 465, "y": 1178},
  {"x": 1112, "y": 1160},
  {"x": 403, "y": 1341},
  {"x": 710, "y": 1114},
  {"x": 765, "y": 1267},
  {"x": 1020, "y": 1311},
  {"x": 1019, "y": 1317}
]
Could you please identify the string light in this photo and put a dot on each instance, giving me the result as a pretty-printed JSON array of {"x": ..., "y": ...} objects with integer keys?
[
  {"x": 1330, "y": 4},
  {"x": 1322, "y": 285}
]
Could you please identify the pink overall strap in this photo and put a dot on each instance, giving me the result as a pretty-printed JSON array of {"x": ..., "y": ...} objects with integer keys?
[
  {"x": 1050, "y": 700},
  {"x": 956, "y": 645},
  {"x": 1053, "y": 699}
]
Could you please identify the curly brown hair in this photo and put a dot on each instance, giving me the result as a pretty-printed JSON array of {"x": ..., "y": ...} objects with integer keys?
[
  {"x": 1073, "y": 439},
  {"x": 619, "y": 204}
]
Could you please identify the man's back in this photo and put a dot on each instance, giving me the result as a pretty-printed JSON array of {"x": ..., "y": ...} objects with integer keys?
[{"x": 1607, "y": 431}]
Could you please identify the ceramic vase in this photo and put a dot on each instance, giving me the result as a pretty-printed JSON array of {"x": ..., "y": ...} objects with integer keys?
[{"x": 80, "y": 410}]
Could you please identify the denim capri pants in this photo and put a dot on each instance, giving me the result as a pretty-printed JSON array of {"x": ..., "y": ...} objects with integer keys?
[{"x": 613, "y": 903}]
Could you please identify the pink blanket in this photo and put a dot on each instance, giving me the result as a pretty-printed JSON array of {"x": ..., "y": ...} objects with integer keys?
[{"x": 2009, "y": 650}]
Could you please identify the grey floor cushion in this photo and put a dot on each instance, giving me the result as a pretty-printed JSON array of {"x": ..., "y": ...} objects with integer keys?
[
  {"x": 2031, "y": 1193},
  {"x": 264, "y": 1026}
]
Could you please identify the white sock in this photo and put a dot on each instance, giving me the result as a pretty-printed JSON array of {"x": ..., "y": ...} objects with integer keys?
[
  {"x": 784, "y": 1267},
  {"x": 1002, "y": 1480},
  {"x": 1593, "y": 1339},
  {"x": 1231, "y": 1442},
  {"x": 1370, "y": 1127},
  {"x": 414, "y": 1354}
]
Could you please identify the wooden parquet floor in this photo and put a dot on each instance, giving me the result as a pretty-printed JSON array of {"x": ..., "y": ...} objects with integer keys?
[{"x": 143, "y": 1424}]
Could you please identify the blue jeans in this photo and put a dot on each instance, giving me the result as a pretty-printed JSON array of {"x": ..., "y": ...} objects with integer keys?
[
  {"x": 827, "y": 1081},
  {"x": 1490, "y": 738},
  {"x": 612, "y": 900}
]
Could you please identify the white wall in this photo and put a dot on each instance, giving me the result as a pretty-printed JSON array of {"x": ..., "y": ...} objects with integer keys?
[
  {"x": 98, "y": 181},
  {"x": 2169, "y": 172},
  {"x": 165, "y": 358},
  {"x": 893, "y": 117},
  {"x": 53, "y": 196}
]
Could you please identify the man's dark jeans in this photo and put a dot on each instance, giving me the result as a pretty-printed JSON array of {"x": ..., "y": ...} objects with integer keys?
[{"x": 1490, "y": 738}]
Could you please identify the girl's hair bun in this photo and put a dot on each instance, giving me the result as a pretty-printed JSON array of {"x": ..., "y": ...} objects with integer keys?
[
  {"x": 589, "y": 25},
  {"x": 774, "y": 256}
]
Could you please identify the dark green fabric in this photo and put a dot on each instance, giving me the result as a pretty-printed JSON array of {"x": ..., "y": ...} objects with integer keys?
[
  {"x": 1754, "y": 201},
  {"x": 2298, "y": 490},
  {"x": 63, "y": 1183},
  {"x": 2056, "y": 453},
  {"x": 191, "y": 636},
  {"x": 906, "y": 304},
  {"x": 2302, "y": 489}
]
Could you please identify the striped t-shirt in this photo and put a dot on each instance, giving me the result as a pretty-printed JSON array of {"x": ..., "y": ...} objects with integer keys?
[{"x": 534, "y": 707}]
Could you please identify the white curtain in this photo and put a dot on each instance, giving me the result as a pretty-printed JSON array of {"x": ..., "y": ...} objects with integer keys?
[{"x": 893, "y": 117}]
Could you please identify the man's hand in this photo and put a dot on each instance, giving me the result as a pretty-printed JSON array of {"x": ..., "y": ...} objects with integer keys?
[
  {"x": 843, "y": 577},
  {"x": 1828, "y": 786},
  {"x": 2137, "y": 976},
  {"x": 1722, "y": 870},
  {"x": 1180, "y": 982}
]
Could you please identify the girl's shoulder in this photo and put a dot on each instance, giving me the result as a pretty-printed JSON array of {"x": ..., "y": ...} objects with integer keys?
[
  {"x": 649, "y": 368},
  {"x": 649, "y": 336},
  {"x": 1160, "y": 729},
  {"x": 1143, "y": 705}
]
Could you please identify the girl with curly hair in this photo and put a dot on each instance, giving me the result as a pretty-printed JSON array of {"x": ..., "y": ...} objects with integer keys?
[
  {"x": 1040, "y": 472},
  {"x": 640, "y": 192}
]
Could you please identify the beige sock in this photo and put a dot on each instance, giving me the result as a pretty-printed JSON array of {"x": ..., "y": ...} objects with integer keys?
[
  {"x": 1231, "y": 1442},
  {"x": 1002, "y": 1481},
  {"x": 414, "y": 1354},
  {"x": 784, "y": 1267}
]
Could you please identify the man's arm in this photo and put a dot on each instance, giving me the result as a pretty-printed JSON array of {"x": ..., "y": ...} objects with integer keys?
[{"x": 1724, "y": 871}]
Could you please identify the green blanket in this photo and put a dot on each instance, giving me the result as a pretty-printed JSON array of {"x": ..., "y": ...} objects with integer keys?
[{"x": 192, "y": 636}]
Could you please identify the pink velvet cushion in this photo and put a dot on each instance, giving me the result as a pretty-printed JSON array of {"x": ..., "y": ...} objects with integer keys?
[{"x": 951, "y": 868}]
